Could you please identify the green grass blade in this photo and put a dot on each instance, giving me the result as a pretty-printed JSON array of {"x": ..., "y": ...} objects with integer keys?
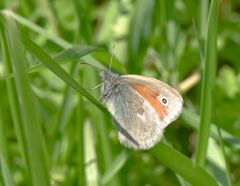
[
  {"x": 203, "y": 11},
  {"x": 76, "y": 52},
  {"x": 80, "y": 141},
  {"x": 209, "y": 73},
  {"x": 84, "y": 19},
  {"x": 217, "y": 165},
  {"x": 226, "y": 159},
  {"x": 70, "y": 54},
  {"x": 7, "y": 176},
  {"x": 112, "y": 170},
  {"x": 92, "y": 177},
  {"x": 59, "y": 71},
  {"x": 140, "y": 32},
  {"x": 12, "y": 95},
  {"x": 41, "y": 31},
  {"x": 36, "y": 157},
  {"x": 4, "y": 155},
  {"x": 182, "y": 166}
]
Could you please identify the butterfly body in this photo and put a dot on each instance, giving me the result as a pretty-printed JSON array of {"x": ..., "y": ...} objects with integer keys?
[{"x": 141, "y": 107}]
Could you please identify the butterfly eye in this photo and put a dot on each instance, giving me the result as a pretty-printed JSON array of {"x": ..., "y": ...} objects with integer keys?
[{"x": 164, "y": 101}]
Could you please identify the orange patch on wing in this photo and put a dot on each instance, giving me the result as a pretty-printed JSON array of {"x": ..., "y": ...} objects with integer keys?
[{"x": 151, "y": 96}]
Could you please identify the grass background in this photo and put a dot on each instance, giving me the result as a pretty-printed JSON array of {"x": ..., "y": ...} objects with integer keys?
[{"x": 53, "y": 129}]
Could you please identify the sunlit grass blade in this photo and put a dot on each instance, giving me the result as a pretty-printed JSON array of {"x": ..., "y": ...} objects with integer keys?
[
  {"x": 81, "y": 115},
  {"x": 217, "y": 163},
  {"x": 35, "y": 152},
  {"x": 226, "y": 159},
  {"x": 183, "y": 166},
  {"x": 209, "y": 73},
  {"x": 7, "y": 176},
  {"x": 203, "y": 16},
  {"x": 91, "y": 169},
  {"x": 116, "y": 165},
  {"x": 41, "y": 31},
  {"x": 76, "y": 52},
  {"x": 4, "y": 155},
  {"x": 59, "y": 71},
  {"x": 70, "y": 54},
  {"x": 12, "y": 94}
]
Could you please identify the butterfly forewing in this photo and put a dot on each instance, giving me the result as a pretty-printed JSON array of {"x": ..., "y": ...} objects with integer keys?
[{"x": 154, "y": 91}]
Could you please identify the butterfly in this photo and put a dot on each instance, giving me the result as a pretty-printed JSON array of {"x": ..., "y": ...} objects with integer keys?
[{"x": 141, "y": 107}]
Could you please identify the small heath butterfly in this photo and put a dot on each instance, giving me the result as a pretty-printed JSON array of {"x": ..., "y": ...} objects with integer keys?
[{"x": 141, "y": 107}]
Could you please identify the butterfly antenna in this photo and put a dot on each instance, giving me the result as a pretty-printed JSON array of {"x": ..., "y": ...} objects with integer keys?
[
  {"x": 110, "y": 66},
  {"x": 97, "y": 86}
]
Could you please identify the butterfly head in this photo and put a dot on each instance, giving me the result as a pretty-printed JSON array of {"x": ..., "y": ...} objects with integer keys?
[{"x": 108, "y": 79}]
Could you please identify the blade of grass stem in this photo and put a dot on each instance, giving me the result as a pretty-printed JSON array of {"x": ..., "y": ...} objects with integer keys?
[
  {"x": 116, "y": 165},
  {"x": 183, "y": 166},
  {"x": 90, "y": 154},
  {"x": 209, "y": 73},
  {"x": 203, "y": 11},
  {"x": 71, "y": 54},
  {"x": 226, "y": 160},
  {"x": 59, "y": 71},
  {"x": 41, "y": 31},
  {"x": 80, "y": 141},
  {"x": 12, "y": 96},
  {"x": 7, "y": 176},
  {"x": 36, "y": 157},
  {"x": 216, "y": 163},
  {"x": 4, "y": 155}
]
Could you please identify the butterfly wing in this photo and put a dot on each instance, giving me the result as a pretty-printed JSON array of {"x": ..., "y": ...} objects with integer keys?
[
  {"x": 155, "y": 92},
  {"x": 138, "y": 110},
  {"x": 138, "y": 126}
]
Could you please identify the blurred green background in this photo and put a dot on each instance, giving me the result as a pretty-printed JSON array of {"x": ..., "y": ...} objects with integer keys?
[{"x": 51, "y": 134}]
